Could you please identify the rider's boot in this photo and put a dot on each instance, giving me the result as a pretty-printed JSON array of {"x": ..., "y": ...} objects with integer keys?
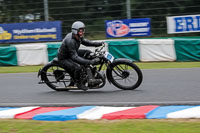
[{"x": 79, "y": 83}]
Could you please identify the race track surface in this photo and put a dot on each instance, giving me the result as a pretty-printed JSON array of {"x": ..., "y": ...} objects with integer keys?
[{"x": 159, "y": 86}]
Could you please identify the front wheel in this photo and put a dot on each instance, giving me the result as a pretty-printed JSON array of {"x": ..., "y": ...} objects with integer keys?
[{"x": 125, "y": 75}]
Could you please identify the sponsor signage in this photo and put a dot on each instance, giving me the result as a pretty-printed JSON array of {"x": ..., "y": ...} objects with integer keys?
[
  {"x": 128, "y": 27},
  {"x": 183, "y": 24},
  {"x": 30, "y": 32}
]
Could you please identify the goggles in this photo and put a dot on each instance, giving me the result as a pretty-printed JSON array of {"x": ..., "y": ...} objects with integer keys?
[{"x": 81, "y": 30}]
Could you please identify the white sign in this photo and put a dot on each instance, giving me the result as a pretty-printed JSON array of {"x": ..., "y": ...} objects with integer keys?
[{"x": 183, "y": 24}]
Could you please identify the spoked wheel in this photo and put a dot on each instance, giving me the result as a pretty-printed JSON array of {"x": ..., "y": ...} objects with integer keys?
[
  {"x": 126, "y": 75},
  {"x": 56, "y": 77}
]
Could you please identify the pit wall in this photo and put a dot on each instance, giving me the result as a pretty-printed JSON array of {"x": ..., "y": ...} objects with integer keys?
[{"x": 141, "y": 50}]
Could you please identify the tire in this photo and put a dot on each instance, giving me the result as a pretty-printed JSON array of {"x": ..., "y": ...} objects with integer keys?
[
  {"x": 125, "y": 75},
  {"x": 55, "y": 77}
]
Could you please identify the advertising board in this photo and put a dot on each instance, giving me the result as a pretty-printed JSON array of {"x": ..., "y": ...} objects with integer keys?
[
  {"x": 183, "y": 24},
  {"x": 30, "y": 32},
  {"x": 128, "y": 27}
]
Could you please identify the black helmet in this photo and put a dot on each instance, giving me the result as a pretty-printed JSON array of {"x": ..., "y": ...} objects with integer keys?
[{"x": 76, "y": 26}]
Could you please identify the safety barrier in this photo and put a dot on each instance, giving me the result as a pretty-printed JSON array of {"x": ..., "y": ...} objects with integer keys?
[{"x": 144, "y": 50}]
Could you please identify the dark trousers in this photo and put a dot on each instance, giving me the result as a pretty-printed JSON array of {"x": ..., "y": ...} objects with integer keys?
[{"x": 72, "y": 67}]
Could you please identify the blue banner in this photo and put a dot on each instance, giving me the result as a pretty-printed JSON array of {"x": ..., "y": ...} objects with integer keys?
[
  {"x": 183, "y": 24},
  {"x": 30, "y": 32},
  {"x": 128, "y": 27}
]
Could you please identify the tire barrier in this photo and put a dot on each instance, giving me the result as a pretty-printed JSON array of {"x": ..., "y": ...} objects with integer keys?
[{"x": 144, "y": 50}]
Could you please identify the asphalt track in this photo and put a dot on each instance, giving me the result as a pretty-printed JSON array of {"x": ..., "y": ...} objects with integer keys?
[{"x": 159, "y": 86}]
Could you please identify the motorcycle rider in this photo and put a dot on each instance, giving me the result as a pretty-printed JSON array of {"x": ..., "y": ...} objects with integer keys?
[{"x": 71, "y": 56}]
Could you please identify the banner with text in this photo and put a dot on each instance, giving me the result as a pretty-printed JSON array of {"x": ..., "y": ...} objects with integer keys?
[
  {"x": 30, "y": 32},
  {"x": 183, "y": 24},
  {"x": 128, "y": 27}
]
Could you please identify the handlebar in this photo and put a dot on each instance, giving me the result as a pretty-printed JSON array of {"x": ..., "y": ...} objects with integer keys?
[{"x": 100, "y": 48}]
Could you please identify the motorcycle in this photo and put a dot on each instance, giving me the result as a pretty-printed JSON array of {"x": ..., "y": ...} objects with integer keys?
[{"x": 121, "y": 72}]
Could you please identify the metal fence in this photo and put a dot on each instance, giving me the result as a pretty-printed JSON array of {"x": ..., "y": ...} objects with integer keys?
[{"x": 94, "y": 13}]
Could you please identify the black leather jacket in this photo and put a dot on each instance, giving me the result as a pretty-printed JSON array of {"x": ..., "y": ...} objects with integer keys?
[{"x": 70, "y": 46}]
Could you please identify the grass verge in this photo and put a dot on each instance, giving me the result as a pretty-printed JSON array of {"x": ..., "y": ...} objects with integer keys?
[
  {"x": 101, "y": 126},
  {"x": 142, "y": 65}
]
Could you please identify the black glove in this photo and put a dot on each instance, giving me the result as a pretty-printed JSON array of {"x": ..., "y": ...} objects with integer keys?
[
  {"x": 99, "y": 44},
  {"x": 95, "y": 61}
]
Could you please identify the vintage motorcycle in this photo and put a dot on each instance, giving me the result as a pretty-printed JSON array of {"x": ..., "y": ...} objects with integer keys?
[{"x": 121, "y": 72}]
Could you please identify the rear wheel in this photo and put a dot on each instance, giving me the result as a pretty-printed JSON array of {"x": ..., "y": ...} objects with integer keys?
[
  {"x": 56, "y": 77},
  {"x": 125, "y": 75}
]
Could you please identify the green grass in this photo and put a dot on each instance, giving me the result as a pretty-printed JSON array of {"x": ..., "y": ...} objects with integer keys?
[
  {"x": 101, "y": 126},
  {"x": 142, "y": 65},
  {"x": 159, "y": 65},
  {"x": 19, "y": 69}
]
